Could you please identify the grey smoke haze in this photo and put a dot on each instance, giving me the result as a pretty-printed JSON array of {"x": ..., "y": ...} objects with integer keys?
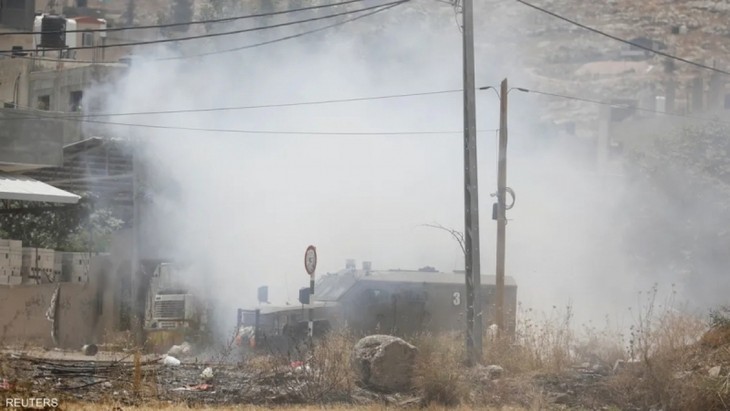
[{"x": 246, "y": 206}]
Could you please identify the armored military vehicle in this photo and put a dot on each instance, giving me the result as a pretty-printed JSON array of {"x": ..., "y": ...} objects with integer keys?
[{"x": 397, "y": 302}]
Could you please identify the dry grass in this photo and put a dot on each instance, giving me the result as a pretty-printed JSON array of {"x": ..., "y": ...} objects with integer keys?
[
  {"x": 674, "y": 349},
  {"x": 331, "y": 375},
  {"x": 664, "y": 340},
  {"x": 439, "y": 372},
  {"x": 328, "y": 375},
  {"x": 174, "y": 407},
  {"x": 541, "y": 343}
]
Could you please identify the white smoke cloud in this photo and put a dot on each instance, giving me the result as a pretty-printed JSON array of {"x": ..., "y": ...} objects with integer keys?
[{"x": 248, "y": 205}]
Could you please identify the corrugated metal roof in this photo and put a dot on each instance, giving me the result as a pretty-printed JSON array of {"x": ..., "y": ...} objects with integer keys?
[{"x": 23, "y": 188}]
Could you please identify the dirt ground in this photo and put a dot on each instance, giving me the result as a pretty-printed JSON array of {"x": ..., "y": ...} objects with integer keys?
[
  {"x": 123, "y": 383},
  {"x": 94, "y": 407},
  {"x": 693, "y": 378}
]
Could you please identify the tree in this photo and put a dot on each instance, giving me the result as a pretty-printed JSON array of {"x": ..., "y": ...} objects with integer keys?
[
  {"x": 458, "y": 235},
  {"x": 39, "y": 224},
  {"x": 81, "y": 227}
]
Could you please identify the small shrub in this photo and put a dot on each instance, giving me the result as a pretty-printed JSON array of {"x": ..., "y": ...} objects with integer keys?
[
  {"x": 662, "y": 337},
  {"x": 440, "y": 370},
  {"x": 720, "y": 317},
  {"x": 600, "y": 345},
  {"x": 541, "y": 342},
  {"x": 325, "y": 375},
  {"x": 333, "y": 375}
]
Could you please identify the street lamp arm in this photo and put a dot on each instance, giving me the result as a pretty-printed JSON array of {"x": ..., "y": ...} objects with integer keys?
[
  {"x": 491, "y": 88},
  {"x": 521, "y": 89}
]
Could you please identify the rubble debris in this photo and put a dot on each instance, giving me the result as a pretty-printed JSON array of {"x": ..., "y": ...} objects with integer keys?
[
  {"x": 681, "y": 374},
  {"x": 384, "y": 363},
  {"x": 494, "y": 372},
  {"x": 715, "y": 372},
  {"x": 300, "y": 366},
  {"x": 90, "y": 349},
  {"x": 182, "y": 350},
  {"x": 207, "y": 374},
  {"x": 171, "y": 361},
  {"x": 195, "y": 387},
  {"x": 618, "y": 366},
  {"x": 485, "y": 374},
  {"x": 5, "y": 385}
]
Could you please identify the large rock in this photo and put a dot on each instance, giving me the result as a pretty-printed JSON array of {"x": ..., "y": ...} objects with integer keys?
[{"x": 384, "y": 363}]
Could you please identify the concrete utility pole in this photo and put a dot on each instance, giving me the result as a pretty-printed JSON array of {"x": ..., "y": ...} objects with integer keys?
[
  {"x": 136, "y": 312},
  {"x": 501, "y": 205},
  {"x": 474, "y": 322}
]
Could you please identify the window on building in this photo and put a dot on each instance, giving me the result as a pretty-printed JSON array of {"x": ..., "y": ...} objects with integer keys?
[
  {"x": 87, "y": 39},
  {"x": 75, "y": 100},
  {"x": 44, "y": 103},
  {"x": 82, "y": 3}
]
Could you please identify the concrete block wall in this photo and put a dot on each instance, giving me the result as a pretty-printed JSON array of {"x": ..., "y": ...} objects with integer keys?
[
  {"x": 76, "y": 267},
  {"x": 38, "y": 265},
  {"x": 11, "y": 261},
  {"x": 23, "y": 315}
]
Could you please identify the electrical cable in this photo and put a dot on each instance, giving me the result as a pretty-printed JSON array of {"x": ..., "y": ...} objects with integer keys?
[
  {"x": 250, "y": 46},
  {"x": 619, "y": 39},
  {"x": 226, "y": 33},
  {"x": 274, "y": 132},
  {"x": 82, "y": 119},
  {"x": 383, "y": 7},
  {"x": 42, "y": 113},
  {"x": 189, "y": 23}
]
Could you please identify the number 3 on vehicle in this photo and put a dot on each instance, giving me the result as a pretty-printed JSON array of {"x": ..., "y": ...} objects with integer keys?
[{"x": 457, "y": 299}]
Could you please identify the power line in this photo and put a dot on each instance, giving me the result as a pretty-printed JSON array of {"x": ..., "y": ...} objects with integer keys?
[
  {"x": 233, "y": 108},
  {"x": 189, "y": 23},
  {"x": 288, "y": 132},
  {"x": 83, "y": 118},
  {"x": 621, "y": 106},
  {"x": 619, "y": 39},
  {"x": 382, "y": 8},
  {"x": 227, "y": 33},
  {"x": 270, "y": 132},
  {"x": 378, "y": 9}
]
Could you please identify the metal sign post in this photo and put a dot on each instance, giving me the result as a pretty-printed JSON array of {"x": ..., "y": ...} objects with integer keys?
[{"x": 310, "y": 264}]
